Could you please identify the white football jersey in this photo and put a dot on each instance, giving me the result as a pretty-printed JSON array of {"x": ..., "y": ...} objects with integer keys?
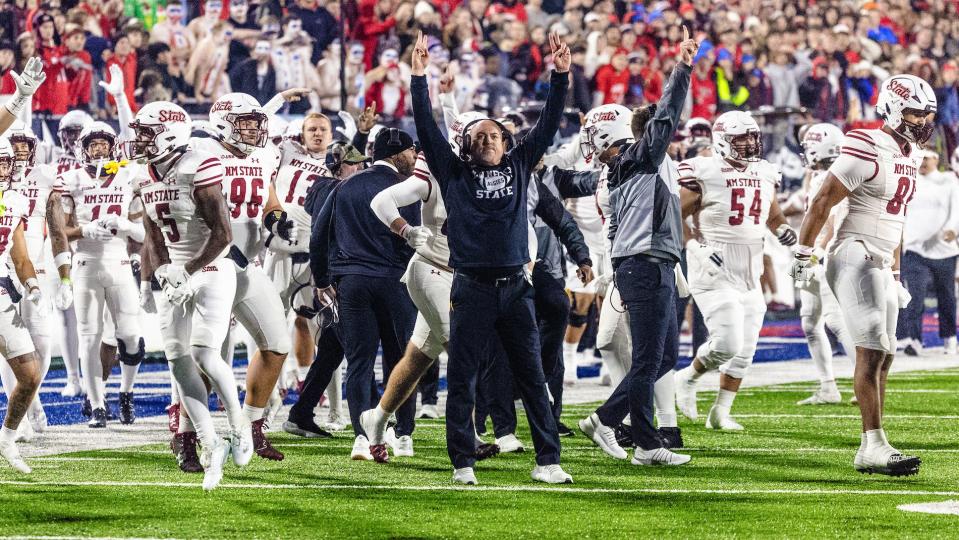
[
  {"x": 437, "y": 248},
  {"x": 16, "y": 209},
  {"x": 64, "y": 160},
  {"x": 37, "y": 183},
  {"x": 838, "y": 212},
  {"x": 246, "y": 187},
  {"x": 90, "y": 199},
  {"x": 298, "y": 170},
  {"x": 881, "y": 181},
  {"x": 170, "y": 204}
]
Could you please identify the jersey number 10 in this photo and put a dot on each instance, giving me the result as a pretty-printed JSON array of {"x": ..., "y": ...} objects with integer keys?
[{"x": 736, "y": 205}]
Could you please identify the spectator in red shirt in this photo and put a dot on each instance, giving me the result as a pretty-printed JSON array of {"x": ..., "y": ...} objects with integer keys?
[
  {"x": 375, "y": 20},
  {"x": 388, "y": 93},
  {"x": 125, "y": 57},
  {"x": 8, "y": 60},
  {"x": 652, "y": 75},
  {"x": 79, "y": 67},
  {"x": 49, "y": 97},
  {"x": 703, "y": 87},
  {"x": 612, "y": 80},
  {"x": 510, "y": 7}
]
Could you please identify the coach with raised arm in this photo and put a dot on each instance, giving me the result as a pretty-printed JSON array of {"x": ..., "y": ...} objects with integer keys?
[
  {"x": 646, "y": 231},
  {"x": 485, "y": 191}
]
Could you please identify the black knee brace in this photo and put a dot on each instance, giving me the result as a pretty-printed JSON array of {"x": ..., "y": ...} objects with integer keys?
[
  {"x": 576, "y": 320},
  {"x": 131, "y": 359}
]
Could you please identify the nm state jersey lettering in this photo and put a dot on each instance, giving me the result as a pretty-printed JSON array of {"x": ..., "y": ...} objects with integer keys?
[{"x": 494, "y": 183}]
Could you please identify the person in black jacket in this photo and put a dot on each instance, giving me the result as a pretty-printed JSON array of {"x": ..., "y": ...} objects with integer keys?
[
  {"x": 485, "y": 190},
  {"x": 357, "y": 263},
  {"x": 255, "y": 76}
]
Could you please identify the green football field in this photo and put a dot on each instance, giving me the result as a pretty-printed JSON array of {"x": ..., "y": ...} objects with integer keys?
[{"x": 789, "y": 475}]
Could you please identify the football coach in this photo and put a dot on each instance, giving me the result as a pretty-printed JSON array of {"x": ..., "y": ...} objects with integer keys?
[
  {"x": 485, "y": 190},
  {"x": 647, "y": 238}
]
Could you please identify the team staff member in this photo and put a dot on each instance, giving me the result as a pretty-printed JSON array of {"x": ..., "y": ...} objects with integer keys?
[
  {"x": 350, "y": 249},
  {"x": 485, "y": 189},
  {"x": 647, "y": 238}
]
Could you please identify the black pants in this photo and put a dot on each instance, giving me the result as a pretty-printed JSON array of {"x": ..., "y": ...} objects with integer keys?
[
  {"x": 329, "y": 356},
  {"x": 374, "y": 311},
  {"x": 481, "y": 311},
  {"x": 552, "y": 315},
  {"x": 649, "y": 291},
  {"x": 918, "y": 273},
  {"x": 430, "y": 385},
  {"x": 494, "y": 394}
]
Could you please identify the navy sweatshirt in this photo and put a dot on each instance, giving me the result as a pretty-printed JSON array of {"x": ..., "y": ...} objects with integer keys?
[
  {"x": 486, "y": 206},
  {"x": 348, "y": 239}
]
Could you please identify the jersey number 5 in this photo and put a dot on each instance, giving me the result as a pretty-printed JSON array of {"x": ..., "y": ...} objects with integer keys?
[
  {"x": 168, "y": 223},
  {"x": 904, "y": 192},
  {"x": 736, "y": 205}
]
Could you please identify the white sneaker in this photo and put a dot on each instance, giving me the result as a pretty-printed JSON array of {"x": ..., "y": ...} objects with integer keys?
[
  {"x": 721, "y": 421},
  {"x": 72, "y": 388},
  {"x": 888, "y": 461},
  {"x": 25, "y": 431},
  {"x": 273, "y": 407},
  {"x": 241, "y": 445},
  {"x": 367, "y": 422},
  {"x": 686, "y": 395},
  {"x": 823, "y": 396},
  {"x": 402, "y": 446},
  {"x": 429, "y": 411},
  {"x": 551, "y": 474},
  {"x": 335, "y": 422},
  {"x": 603, "y": 436},
  {"x": 37, "y": 417},
  {"x": 11, "y": 453},
  {"x": 659, "y": 456},
  {"x": 361, "y": 449},
  {"x": 212, "y": 459},
  {"x": 509, "y": 443},
  {"x": 949, "y": 347},
  {"x": 464, "y": 476}
]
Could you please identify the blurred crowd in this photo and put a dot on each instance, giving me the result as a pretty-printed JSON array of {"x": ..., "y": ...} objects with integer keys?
[{"x": 794, "y": 60}]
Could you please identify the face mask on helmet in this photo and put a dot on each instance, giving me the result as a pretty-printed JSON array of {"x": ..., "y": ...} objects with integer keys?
[
  {"x": 6, "y": 172},
  {"x": 745, "y": 147},
  {"x": 68, "y": 137},
  {"x": 249, "y": 129},
  {"x": 913, "y": 132},
  {"x": 143, "y": 147},
  {"x": 24, "y": 150},
  {"x": 97, "y": 148}
]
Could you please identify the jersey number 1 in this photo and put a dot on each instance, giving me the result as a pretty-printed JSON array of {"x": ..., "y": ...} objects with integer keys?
[{"x": 736, "y": 205}]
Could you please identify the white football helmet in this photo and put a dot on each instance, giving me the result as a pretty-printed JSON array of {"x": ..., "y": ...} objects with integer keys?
[
  {"x": 899, "y": 93},
  {"x": 71, "y": 124},
  {"x": 374, "y": 131},
  {"x": 457, "y": 129},
  {"x": 820, "y": 144},
  {"x": 18, "y": 132},
  {"x": 96, "y": 130},
  {"x": 740, "y": 125},
  {"x": 276, "y": 130},
  {"x": 231, "y": 109},
  {"x": 698, "y": 127},
  {"x": 158, "y": 129},
  {"x": 605, "y": 126},
  {"x": 6, "y": 164}
]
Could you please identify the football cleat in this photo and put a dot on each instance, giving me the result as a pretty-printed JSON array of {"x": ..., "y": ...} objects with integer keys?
[
  {"x": 25, "y": 432},
  {"x": 241, "y": 445},
  {"x": 37, "y": 417},
  {"x": 485, "y": 451},
  {"x": 721, "y": 421},
  {"x": 183, "y": 446},
  {"x": 212, "y": 460},
  {"x": 564, "y": 431},
  {"x": 822, "y": 397},
  {"x": 551, "y": 474},
  {"x": 98, "y": 419},
  {"x": 509, "y": 444},
  {"x": 658, "y": 456},
  {"x": 261, "y": 444},
  {"x": 380, "y": 453},
  {"x": 72, "y": 388},
  {"x": 361, "y": 449},
  {"x": 602, "y": 435},
  {"x": 672, "y": 437},
  {"x": 11, "y": 453},
  {"x": 624, "y": 435},
  {"x": 464, "y": 476},
  {"x": 127, "y": 412},
  {"x": 888, "y": 461},
  {"x": 429, "y": 411},
  {"x": 173, "y": 417},
  {"x": 402, "y": 446},
  {"x": 686, "y": 395},
  {"x": 305, "y": 428},
  {"x": 335, "y": 422},
  {"x": 368, "y": 423},
  {"x": 86, "y": 409}
]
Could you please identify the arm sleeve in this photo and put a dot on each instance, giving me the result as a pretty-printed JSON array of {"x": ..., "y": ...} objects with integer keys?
[
  {"x": 857, "y": 161},
  {"x": 124, "y": 116},
  {"x": 575, "y": 184},
  {"x": 274, "y": 105},
  {"x": 689, "y": 177},
  {"x": 649, "y": 151},
  {"x": 566, "y": 156},
  {"x": 320, "y": 243},
  {"x": 387, "y": 203},
  {"x": 359, "y": 140},
  {"x": 439, "y": 155},
  {"x": 450, "y": 110},
  {"x": 534, "y": 145},
  {"x": 552, "y": 212}
]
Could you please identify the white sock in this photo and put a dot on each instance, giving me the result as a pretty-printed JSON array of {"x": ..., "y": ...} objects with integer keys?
[
  {"x": 193, "y": 398},
  {"x": 301, "y": 372},
  {"x": 664, "y": 395},
  {"x": 127, "y": 375},
  {"x": 829, "y": 386},
  {"x": 8, "y": 435},
  {"x": 863, "y": 443},
  {"x": 253, "y": 413},
  {"x": 223, "y": 382},
  {"x": 334, "y": 392},
  {"x": 93, "y": 369},
  {"x": 570, "y": 360},
  {"x": 186, "y": 423},
  {"x": 174, "y": 390},
  {"x": 820, "y": 350},
  {"x": 380, "y": 417},
  {"x": 876, "y": 438},
  {"x": 724, "y": 400}
]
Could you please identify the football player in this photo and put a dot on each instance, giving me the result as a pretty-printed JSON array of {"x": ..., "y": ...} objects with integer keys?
[
  {"x": 876, "y": 172},
  {"x": 187, "y": 238},
  {"x": 734, "y": 193},
  {"x": 71, "y": 125}
]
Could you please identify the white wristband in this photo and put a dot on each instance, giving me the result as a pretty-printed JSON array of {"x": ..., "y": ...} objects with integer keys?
[
  {"x": 32, "y": 283},
  {"x": 63, "y": 258},
  {"x": 16, "y": 103}
]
